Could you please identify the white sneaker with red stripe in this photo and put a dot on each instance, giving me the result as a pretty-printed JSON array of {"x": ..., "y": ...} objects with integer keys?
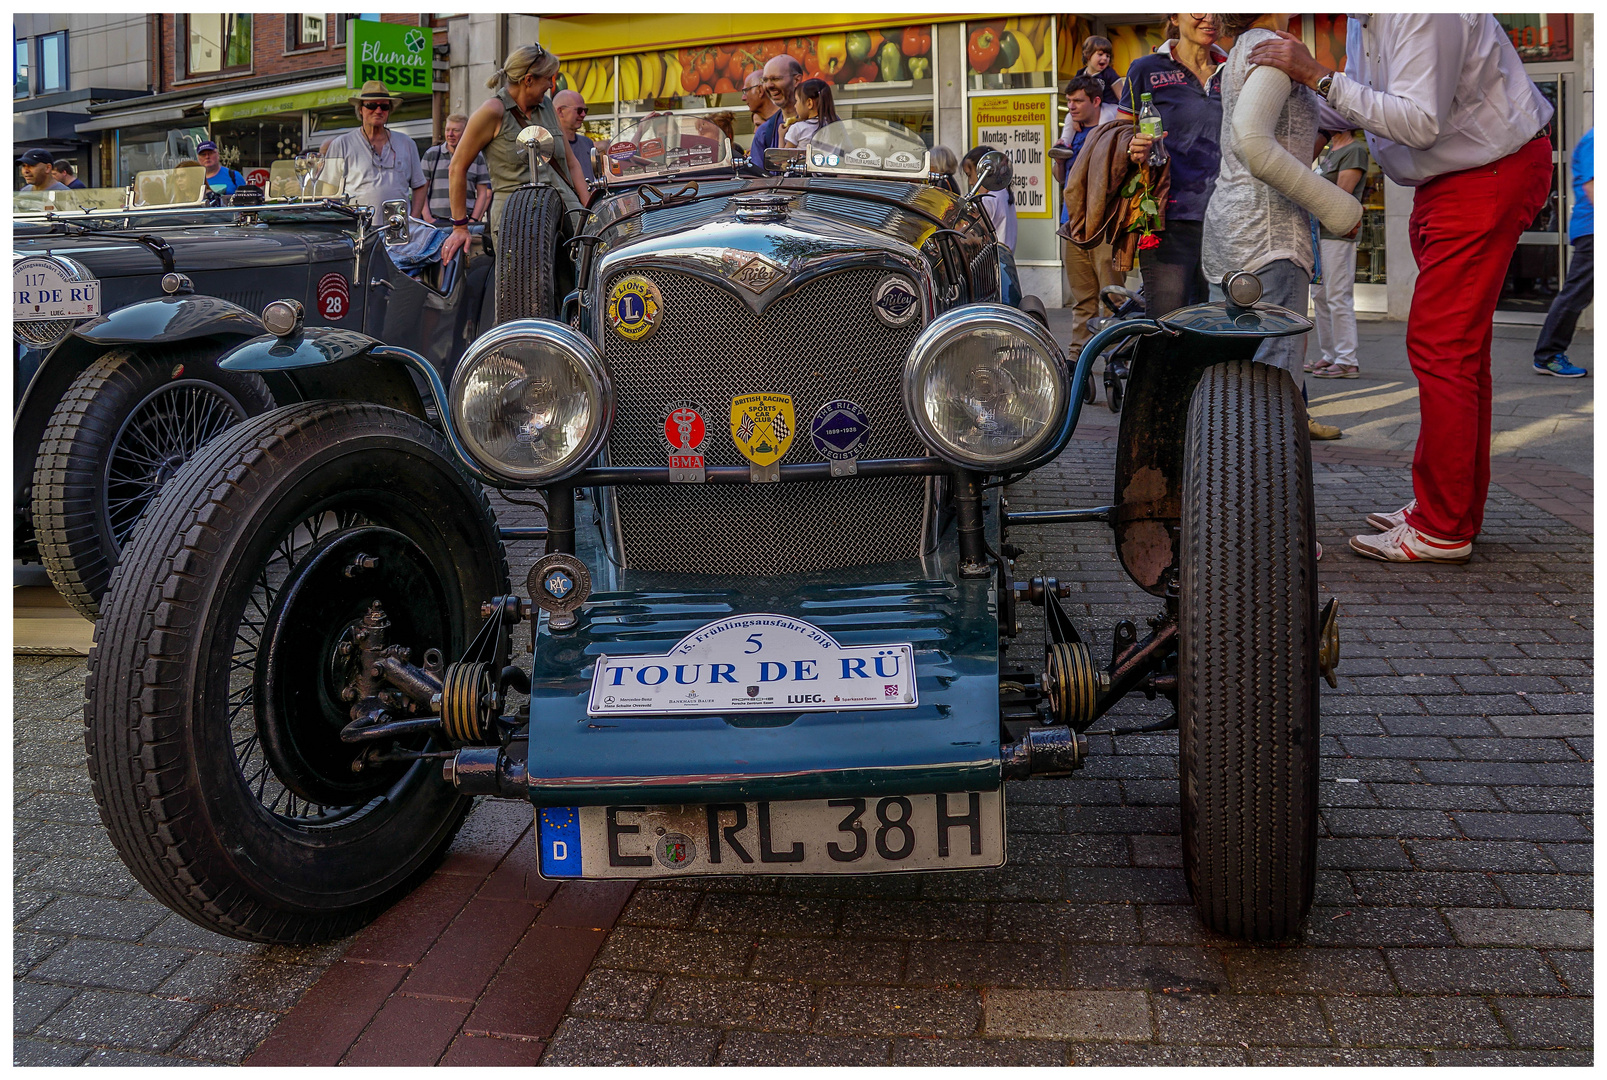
[
  {"x": 1386, "y": 522},
  {"x": 1405, "y": 544}
]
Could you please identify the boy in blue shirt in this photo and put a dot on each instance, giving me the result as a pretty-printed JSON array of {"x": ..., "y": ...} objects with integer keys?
[{"x": 1550, "y": 352}]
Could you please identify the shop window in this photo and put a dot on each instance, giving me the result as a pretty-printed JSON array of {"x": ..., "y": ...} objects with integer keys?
[
  {"x": 1540, "y": 37},
  {"x": 340, "y": 25},
  {"x": 20, "y": 69},
  {"x": 256, "y": 143},
  {"x": 155, "y": 146},
  {"x": 217, "y": 44},
  {"x": 306, "y": 32},
  {"x": 1008, "y": 54},
  {"x": 52, "y": 62}
]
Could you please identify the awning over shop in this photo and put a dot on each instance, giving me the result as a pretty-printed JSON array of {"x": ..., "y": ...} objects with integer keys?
[
  {"x": 315, "y": 94},
  {"x": 133, "y": 118},
  {"x": 576, "y": 36}
]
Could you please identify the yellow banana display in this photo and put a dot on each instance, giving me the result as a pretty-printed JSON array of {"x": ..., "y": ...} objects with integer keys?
[{"x": 1028, "y": 60}]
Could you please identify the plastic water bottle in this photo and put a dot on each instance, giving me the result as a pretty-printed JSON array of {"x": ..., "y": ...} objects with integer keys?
[{"x": 1149, "y": 123}]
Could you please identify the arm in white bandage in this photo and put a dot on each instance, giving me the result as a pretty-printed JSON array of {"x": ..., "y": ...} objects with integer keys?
[{"x": 1255, "y": 119}]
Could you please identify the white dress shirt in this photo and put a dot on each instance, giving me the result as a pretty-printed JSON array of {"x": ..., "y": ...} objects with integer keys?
[{"x": 1436, "y": 93}]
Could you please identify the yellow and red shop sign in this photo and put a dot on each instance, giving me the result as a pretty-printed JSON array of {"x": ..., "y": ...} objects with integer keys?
[{"x": 1019, "y": 126}]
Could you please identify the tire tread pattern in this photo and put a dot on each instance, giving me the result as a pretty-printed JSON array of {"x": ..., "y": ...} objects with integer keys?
[{"x": 527, "y": 255}]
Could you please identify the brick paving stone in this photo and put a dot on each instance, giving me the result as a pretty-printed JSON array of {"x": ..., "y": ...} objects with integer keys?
[
  {"x": 226, "y": 1035},
  {"x": 681, "y": 953},
  {"x": 110, "y": 965},
  {"x": 1509, "y": 855},
  {"x": 660, "y": 907},
  {"x": 1422, "y": 1022},
  {"x": 618, "y": 1042},
  {"x": 1076, "y": 1015},
  {"x": 1573, "y": 858},
  {"x": 530, "y": 992},
  {"x": 1474, "y": 1059},
  {"x": 1146, "y": 1054},
  {"x": 1428, "y": 888},
  {"x": 1548, "y": 1022},
  {"x": 248, "y": 981},
  {"x": 1544, "y": 929},
  {"x": 875, "y": 1010},
  {"x": 1472, "y": 971},
  {"x": 986, "y": 1052},
  {"x": 1295, "y": 970},
  {"x": 914, "y": 920},
  {"x": 1547, "y": 890},
  {"x": 746, "y": 1003},
  {"x": 408, "y": 1030},
  {"x": 612, "y": 994},
  {"x": 33, "y": 1003},
  {"x": 34, "y": 1052},
  {"x": 128, "y": 1021},
  {"x": 1075, "y": 923},
  {"x": 1576, "y": 968},
  {"x": 968, "y": 963},
  {"x": 30, "y": 949},
  {"x": 764, "y": 1049},
  {"x": 825, "y": 960},
  {"x": 728, "y": 912},
  {"x": 1280, "y": 1020},
  {"x": 485, "y": 1050},
  {"x": 1352, "y": 1056},
  {"x": 1376, "y": 926}
]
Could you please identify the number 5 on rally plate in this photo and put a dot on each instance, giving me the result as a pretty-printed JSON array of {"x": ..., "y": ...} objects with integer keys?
[{"x": 861, "y": 835}]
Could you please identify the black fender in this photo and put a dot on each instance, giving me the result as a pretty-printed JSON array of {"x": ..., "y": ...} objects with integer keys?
[
  {"x": 167, "y": 320},
  {"x": 323, "y": 362},
  {"x": 1162, "y": 375}
]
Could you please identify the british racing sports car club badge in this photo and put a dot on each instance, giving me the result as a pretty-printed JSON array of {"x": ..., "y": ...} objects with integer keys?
[
  {"x": 762, "y": 426},
  {"x": 684, "y": 430},
  {"x": 634, "y": 307},
  {"x": 841, "y": 434}
]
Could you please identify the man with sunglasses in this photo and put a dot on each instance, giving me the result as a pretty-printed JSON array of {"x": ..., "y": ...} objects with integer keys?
[
  {"x": 571, "y": 109},
  {"x": 380, "y": 164}
]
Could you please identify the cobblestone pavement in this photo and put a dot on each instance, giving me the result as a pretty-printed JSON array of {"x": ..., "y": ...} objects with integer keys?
[{"x": 1453, "y": 920}]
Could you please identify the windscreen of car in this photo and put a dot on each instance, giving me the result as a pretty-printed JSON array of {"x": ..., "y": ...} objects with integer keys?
[
  {"x": 867, "y": 147},
  {"x": 183, "y": 186},
  {"x": 38, "y": 202},
  {"x": 306, "y": 177},
  {"x": 665, "y": 145}
]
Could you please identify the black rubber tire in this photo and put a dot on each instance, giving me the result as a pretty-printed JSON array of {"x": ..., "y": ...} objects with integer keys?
[
  {"x": 168, "y": 756},
  {"x": 527, "y": 255},
  {"x": 1090, "y": 390},
  {"x": 1115, "y": 393},
  {"x": 1247, "y": 701},
  {"x": 94, "y": 442}
]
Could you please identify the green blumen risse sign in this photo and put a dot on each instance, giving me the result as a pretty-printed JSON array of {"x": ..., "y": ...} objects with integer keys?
[{"x": 398, "y": 56}]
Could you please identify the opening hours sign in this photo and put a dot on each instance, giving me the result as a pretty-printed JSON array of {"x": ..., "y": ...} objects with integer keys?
[{"x": 1019, "y": 126}]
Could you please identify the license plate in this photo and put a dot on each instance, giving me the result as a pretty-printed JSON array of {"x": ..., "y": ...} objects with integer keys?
[
  {"x": 755, "y": 663},
  {"x": 870, "y": 835},
  {"x": 40, "y": 290}
]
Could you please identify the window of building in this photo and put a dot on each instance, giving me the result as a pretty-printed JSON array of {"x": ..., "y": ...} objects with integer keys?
[
  {"x": 306, "y": 32},
  {"x": 340, "y": 25},
  {"x": 1540, "y": 37},
  {"x": 52, "y": 62},
  {"x": 19, "y": 69},
  {"x": 217, "y": 43}
]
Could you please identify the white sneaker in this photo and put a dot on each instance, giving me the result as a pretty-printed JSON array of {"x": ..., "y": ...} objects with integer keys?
[
  {"x": 1386, "y": 522},
  {"x": 1405, "y": 544}
]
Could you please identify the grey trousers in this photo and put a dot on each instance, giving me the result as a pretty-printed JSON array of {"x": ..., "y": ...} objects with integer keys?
[{"x": 1289, "y": 286}]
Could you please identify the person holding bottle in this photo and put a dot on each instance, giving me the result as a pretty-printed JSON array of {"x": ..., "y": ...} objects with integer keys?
[{"x": 1181, "y": 81}]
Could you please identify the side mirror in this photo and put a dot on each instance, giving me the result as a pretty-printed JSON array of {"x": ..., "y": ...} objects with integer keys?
[
  {"x": 395, "y": 221},
  {"x": 993, "y": 172},
  {"x": 537, "y": 143},
  {"x": 1242, "y": 289},
  {"x": 781, "y": 158}
]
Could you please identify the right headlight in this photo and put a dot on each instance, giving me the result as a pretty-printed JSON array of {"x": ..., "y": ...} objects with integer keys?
[
  {"x": 985, "y": 386},
  {"x": 532, "y": 401}
]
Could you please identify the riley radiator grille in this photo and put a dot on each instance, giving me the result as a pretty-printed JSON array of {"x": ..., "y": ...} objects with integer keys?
[{"x": 822, "y": 342}]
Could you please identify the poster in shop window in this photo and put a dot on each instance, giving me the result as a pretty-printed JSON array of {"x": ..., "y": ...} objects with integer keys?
[{"x": 1019, "y": 126}]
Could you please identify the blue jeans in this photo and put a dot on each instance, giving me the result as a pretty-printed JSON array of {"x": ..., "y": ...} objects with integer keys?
[
  {"x": 1289, "y": 286},
  {"x": 1571, "y": 299},
  {"x": 1171, "y": 272}
]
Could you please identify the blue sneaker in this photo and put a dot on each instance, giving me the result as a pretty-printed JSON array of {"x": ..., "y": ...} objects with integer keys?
[{"x": 1559, "y": 366}]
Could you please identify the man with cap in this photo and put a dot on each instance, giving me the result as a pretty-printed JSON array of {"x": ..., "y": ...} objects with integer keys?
[
  {"x": 221, "y": 180},
  {"x": 380, "y": 164},
  {"x": 67, "y": 173},
  {"x": 36, "y": 171}
]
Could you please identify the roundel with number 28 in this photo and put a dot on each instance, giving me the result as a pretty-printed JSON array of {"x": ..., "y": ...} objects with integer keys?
[{"x": 334, "y": 298}]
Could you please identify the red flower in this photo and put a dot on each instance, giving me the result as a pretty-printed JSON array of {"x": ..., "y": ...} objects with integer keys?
[{"x": 1149, "y": 240}]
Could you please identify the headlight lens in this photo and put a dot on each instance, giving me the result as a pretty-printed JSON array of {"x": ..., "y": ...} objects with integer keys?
[
  {"x": 532, "y": 401},
  {"x": 986, "y": 387}
]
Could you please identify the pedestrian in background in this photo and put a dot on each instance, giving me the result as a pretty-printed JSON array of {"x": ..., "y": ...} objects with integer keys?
[
  {"x": 1000, "y": 205},
  {"x": 571, "y": 109},
  {"x": 1181, "y": 77},
  {"x": 1259, "y": 216},
  {"x": 760, "y": 107},
  {"x": 816, "y": 109},
  {"x": 219, "y": 179},
  {"x": 1097, "y": 53},
  {"x": 1333, "y": 300},
  {"x": 522, "y": 85},
  {"x": 781, "y": 75},
  {"x": 66, "y": 173},
  {"x": 1551, "y": 350},
  {"x": 381, "y": 165},
  {"x": 944, "y": 163},
  {"x": 1449, "y": 111},
  {"x": 1088, "y": 270},
  {"x": 36, "y": 172},
  {"x": 727, "y": 122},
  {"x": 433, "y": 205}
]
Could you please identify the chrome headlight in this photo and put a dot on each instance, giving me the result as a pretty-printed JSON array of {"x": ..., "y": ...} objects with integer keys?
[
  {"x": 532, "y": 401},
  {"x": 985, "y": 386}
]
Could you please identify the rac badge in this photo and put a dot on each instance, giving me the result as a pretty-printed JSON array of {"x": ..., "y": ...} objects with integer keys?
[
  {"x": 840, "y": 431},
  {"x": 634, "y": 307},
  {"x": 895, "y": 301},
  {"x": 762, "y": 426},
  {"x": 684, "y": 430}
]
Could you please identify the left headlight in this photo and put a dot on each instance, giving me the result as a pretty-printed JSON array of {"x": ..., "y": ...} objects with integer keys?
[
  {"x": 532, "y": 401},
  {"x": 985, "y": 386}
]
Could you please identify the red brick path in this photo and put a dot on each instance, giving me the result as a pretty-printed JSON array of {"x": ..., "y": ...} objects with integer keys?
[{"x": 475, "y": 967}]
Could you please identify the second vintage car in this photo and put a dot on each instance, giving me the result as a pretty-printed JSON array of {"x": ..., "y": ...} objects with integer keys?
[{"x": 776, "y": 627}]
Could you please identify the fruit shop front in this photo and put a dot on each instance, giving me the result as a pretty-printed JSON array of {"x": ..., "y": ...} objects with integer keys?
[{"x": 955, "y": 82}]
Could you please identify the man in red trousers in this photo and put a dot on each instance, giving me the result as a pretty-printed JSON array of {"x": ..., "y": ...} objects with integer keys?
[{"x": 1449, "y": 111}]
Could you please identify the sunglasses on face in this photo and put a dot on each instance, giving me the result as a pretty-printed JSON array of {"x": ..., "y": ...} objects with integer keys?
[{"x": 380, "y": 106}]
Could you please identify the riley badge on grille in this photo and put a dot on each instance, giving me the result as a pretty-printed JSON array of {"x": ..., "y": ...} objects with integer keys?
[{"x": 762, "y": 426}]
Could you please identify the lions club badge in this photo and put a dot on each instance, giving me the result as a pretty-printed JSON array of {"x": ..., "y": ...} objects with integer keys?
[
  {"x": 684, "y": 430},
  {"x": 762, "y": 426},
  {"x": 634, "y": 307}
]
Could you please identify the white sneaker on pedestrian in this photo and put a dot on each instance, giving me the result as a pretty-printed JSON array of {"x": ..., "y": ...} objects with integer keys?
[
  {"x": 1386, "y": 522},
  {"x": 1405, "y": 544}
]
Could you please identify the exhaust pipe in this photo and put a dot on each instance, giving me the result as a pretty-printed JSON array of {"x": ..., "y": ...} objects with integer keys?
[
  {"x": 487, "y": 770},
  {"x": 1046, "y": 751}
]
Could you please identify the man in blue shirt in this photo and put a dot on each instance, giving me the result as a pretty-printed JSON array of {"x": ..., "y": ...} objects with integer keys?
[
  {"x": 221, "y": 180},
  {"x": 781, "y": 75},
  {"x": 1551, "y": 351}
]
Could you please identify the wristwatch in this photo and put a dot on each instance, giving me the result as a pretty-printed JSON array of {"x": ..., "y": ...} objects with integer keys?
[{"x": 1325, "y": 84}]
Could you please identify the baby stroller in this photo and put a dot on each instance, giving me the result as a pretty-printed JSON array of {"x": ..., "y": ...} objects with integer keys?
[{"x": 1123, "y": 305}]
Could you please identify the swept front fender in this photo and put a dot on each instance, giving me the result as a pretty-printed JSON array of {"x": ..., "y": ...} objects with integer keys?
[{"x": 327, "y": 362}]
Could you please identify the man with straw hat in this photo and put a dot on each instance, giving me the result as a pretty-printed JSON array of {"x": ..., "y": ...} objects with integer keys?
[{"x": 380, "y": 164}]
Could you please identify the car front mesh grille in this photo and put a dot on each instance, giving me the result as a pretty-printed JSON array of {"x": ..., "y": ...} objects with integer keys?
[{"x": 822, "y": 342}]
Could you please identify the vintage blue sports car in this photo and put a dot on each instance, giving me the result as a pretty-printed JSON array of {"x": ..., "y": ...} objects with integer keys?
[{"x": 770, "y": 430}]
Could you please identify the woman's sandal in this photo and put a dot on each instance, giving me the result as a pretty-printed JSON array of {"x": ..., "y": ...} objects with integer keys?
[{"x": 1336, "y": 371}]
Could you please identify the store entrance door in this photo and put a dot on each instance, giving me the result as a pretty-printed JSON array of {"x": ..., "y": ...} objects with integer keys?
[{"x": 1540, "y": 263}]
